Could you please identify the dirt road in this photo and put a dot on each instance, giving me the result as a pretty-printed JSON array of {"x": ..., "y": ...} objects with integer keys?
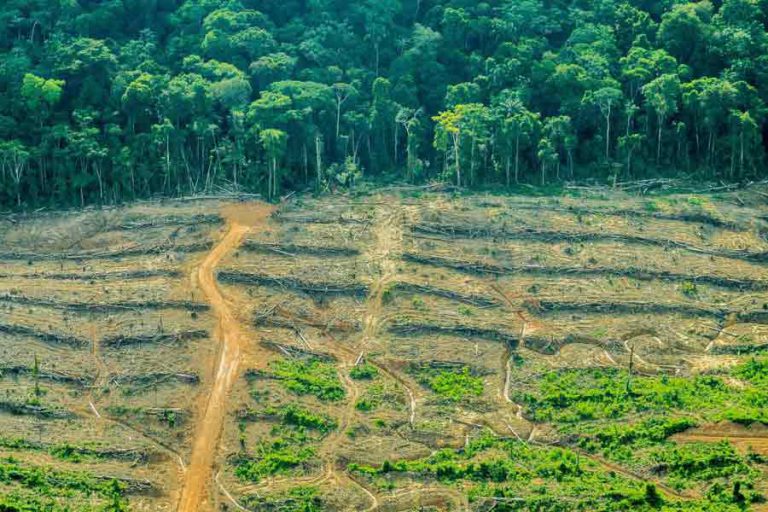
[{"x": 197, "y": 487}]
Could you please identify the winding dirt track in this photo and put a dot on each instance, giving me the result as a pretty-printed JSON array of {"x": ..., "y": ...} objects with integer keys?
[
  {"x": 195, "y": 492},
  {"x": 197, "y": 486}
]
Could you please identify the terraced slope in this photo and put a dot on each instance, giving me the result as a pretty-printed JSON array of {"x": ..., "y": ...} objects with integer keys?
[{"x": 390, "y": 352}]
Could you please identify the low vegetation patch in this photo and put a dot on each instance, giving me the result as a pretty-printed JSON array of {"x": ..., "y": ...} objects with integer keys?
[
  {"x": 513, "y": 474},
  {"x": 365, "y": 371},
  {"x": 453, "y": 384},
  {"x": 310, "y": 377},
  {"x": 575, "y": 395}
]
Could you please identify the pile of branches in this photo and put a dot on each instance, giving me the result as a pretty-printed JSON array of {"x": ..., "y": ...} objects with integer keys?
[
  {"x": 471, "y": 299},
  {"x": 296, "y": 352},
  {"x": 623, "y": 308},
  {"x": 153, "y": 379},
  {"x": 114, "y": 254},
  {"x": 46, "y": 337},
  {"x": 98, "y": 276},
  {"x": 280, "y": 316},
  {"x": 60, "y": 378},
  {"x": 462, "y": 331},
  {"x": 551, "y": 345},
  {"x": 478, "y": 267},
  {"x": 26, "y": 409},
  {"x": 120, "y": 341},
  {"x": 299, "y": 250},
  {"x": 187, "y": 220},
  {"x": 103, "y": 308},
  {"x": 740, "y": 349},
  {"x": 133, "y": 485},
  {"x": 448, "y": 231},
  {"x": 291, "y": 283},
  {"x": 686, "y": 216}
]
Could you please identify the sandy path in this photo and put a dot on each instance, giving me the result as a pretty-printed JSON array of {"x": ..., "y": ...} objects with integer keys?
[{"x": 195, "y": 494}]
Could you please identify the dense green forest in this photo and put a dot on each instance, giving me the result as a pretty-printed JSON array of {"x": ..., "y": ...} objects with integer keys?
[{"x": 104, "y": 101}]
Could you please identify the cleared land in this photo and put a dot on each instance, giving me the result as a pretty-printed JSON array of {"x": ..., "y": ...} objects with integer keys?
[{"x": 389, "y": 352}]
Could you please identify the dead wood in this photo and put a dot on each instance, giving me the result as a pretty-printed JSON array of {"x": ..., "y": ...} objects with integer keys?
[
  {"x": 25, "y": 409},
  {"x": 120, "y": 341},
  {"x": 46, "y": 337},
  {"x": 61, "y": 378},
  {"x": 473, "y": 300},
  {"x": 468, "y": 231},
  {"x": 624, "y": 308},
  {"x": 307, "y": 287},
  {"x": 298, "y": 250},
  {"x": 478, "y": 267},
  {"x": 297, "y": 352},
  {"x": 103, "y": 307}
]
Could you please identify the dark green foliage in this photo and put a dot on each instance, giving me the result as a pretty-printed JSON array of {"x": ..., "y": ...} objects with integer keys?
[
  {"x": 623, "y": 438},
  {"x": 110, "y": 101},
  {"x": 364, "y": 371},
  {"x": 298, "y": 416}
]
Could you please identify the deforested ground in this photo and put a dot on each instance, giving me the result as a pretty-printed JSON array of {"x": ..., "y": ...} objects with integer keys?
[{"x": 398, "y": 350}]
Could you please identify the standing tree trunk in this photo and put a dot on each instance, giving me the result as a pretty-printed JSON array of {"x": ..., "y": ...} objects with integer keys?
[
  {"x": 658, "y": 141},
  {"x": 517, "y": 158},
  {"x": 608, "y": 134},
  {"x": 506, "y": 169},
  {"x": 318, "y": 161},
  {"x": 457, "y": 152}
]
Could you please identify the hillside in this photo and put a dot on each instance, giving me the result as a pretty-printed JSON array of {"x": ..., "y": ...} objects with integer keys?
[{"x": 392, "y": 350}]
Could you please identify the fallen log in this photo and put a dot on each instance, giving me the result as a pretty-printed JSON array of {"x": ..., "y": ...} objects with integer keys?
[
  {"x": 478, "y": 267},
  {"x": 473, "y": 300},
  {"x": 61, "y": 378},
  {"x": 307, "y": 287},
  {"x": 120, "y": 341},
  {"x": 456, "y": 231},
  {"x": 420, "y": 329},
  {"x": 103, "y": 308},
  {"x": 624, "y": 308},
  {"x": 298, "y": 352},
  {"x": 190, "y": 220},
  {"x": 46, "y": 337},
  {"x": 152, "y": 379},
  {"x": 25, "y": 409},
  {"x": 296, "y": 250},
  {"x": 101, "y": 276},
  {"x": 116, "y": 254}
]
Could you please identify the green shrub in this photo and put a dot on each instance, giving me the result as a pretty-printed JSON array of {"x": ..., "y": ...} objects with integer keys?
[
  {"x": 570, "y": 396},
  {"x": 364, "y": 371},
  {"x": 297, "y": 416},
  {"x": 453, "y": 384},
  {"x": 308, "y": 378},
  {"x": 277, "y": 457},
  {"x": 364, "y": 405},
  {"x": 689, "y": 288}
]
